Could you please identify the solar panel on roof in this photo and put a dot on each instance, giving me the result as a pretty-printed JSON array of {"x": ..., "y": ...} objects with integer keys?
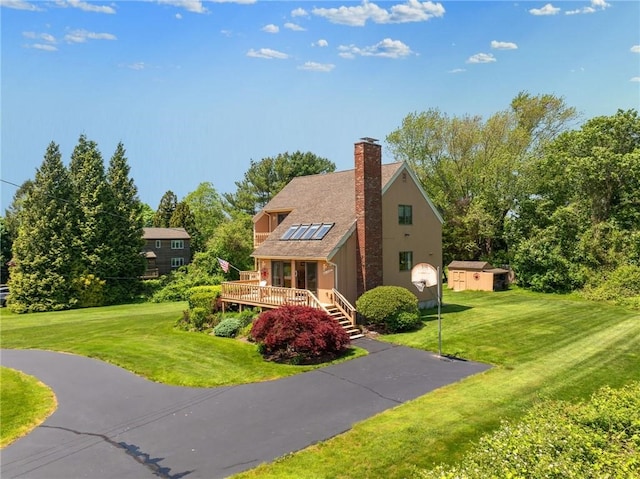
[
  {"x": 299, "y": 232},
  {"x": 322, "y": 231},
  {"x": 292, "y": 229}
]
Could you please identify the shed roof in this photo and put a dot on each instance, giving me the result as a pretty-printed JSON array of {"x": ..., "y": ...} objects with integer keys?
[
  {"x": 322, "y": 198},
  {"x": 165, "y": 233},
  {"x": 470, "y": 265}
]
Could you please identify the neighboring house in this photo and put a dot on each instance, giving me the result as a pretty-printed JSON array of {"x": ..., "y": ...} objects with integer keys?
[
  {"x": 477, "y": 276},
  {"x": 337, "y": 235},
  {"x": 165, "y": 249}
]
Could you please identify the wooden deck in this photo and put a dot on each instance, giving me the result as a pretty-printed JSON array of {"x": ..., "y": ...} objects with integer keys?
[{"x": 250, "y": 293}]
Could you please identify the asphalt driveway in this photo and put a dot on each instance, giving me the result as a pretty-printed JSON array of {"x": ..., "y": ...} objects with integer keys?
[{"x": 113, "y": 424}]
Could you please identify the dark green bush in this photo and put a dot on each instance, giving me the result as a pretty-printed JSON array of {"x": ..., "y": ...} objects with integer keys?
[
  {"x": 198, "y": 317},
  {"x": 228, "y": 328},
  {"x": 382, "y": 306}
]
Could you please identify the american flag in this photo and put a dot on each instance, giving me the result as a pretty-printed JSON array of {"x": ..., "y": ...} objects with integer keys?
[{"x": 224, "y": 265}]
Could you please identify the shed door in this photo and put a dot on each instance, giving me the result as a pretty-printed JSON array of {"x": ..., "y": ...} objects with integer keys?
[{"x": 459, "y": 280}]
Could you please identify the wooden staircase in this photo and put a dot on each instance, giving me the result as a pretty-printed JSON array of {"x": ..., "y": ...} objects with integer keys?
[{"x": 336, "y": 314}]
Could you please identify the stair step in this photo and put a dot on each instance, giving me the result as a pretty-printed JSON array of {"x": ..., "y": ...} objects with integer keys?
[{"x": 356, "y": 336}]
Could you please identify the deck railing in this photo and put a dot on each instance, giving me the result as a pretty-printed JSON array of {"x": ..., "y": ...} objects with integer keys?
[
  {"x": 250, "y": 276},
  {"x": 259, "y": 238},
  {"x": 250, "y": 293},
  {"x": 345, "y": 306}
]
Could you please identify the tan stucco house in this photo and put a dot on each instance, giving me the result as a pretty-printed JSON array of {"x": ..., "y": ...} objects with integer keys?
[{"x": 331, "y": 237}]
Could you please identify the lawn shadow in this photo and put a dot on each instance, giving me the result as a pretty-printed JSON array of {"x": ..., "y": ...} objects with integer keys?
[{"x": 431, "y": 314}]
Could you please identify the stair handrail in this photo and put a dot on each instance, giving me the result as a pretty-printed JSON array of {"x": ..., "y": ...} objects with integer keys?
[{"x": 344, "y": 306}]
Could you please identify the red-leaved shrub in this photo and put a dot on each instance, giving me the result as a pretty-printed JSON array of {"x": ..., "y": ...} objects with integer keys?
[{"x": 298, "y": 334}]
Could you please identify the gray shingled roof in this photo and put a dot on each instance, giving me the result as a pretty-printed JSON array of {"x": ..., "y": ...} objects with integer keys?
[
  {"x": 470, "y": 265},
  {"x": 165, "y": 233},
  {"x": 323, "y": 198}
]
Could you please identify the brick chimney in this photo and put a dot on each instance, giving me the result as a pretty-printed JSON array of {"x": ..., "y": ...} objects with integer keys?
[{"x": 368, "y": 185}]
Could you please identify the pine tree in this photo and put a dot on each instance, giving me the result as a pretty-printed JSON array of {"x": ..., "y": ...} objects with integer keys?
[
  {"x": 168, "y": 204},
  {"x": 182, "y": 217},
  {"x": 43, "y": 251},
  {"x": 93, "y": 198},
  {"x": 124, "y": 260}
]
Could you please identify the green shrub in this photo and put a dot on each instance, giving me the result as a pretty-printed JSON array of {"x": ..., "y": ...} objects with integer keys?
[
  {"x": 176, "y": 285},
  {"x": 228, "y": 328},
  {"x": 382, "y": 306},
  {"x": 595, "y": 439},
  {"x": 198, "y": 317},
  {"x": 621, "y": 284},
  {"x": 204, "y": 297},
  {"x": 403, "y": 321},
  {"x": 246, "y": 316}
]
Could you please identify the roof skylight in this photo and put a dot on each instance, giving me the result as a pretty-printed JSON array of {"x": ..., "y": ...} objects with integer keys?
[{"x": 313, "y": 231}]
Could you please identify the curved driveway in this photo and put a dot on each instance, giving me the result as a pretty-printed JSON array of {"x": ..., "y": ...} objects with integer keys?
[{"x": 113, "y": 424}]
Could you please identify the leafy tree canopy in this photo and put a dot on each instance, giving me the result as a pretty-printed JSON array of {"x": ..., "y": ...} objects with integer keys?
[{"x": 265, "y": 178}]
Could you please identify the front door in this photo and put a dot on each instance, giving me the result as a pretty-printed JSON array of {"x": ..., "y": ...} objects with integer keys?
[{"x": 281, "y": 274}]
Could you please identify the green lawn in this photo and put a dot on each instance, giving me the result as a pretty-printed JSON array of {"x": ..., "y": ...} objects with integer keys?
[
  {"x": 24, "y": 403},
  {"x": 142, "y": 339},
  {"x": 542, "y": 346}
]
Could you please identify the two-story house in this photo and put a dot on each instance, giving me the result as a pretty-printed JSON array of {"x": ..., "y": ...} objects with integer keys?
[
  {"x": 165, "y": 249},
  {"x": 325, "y": 239}
]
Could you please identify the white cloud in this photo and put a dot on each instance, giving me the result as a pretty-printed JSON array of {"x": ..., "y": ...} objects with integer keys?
[
  {"x": 481, "y": 58},
  {"x": 411, "y": 11},
  {"x": 293, "y": 26},
  {"x": 42, "y": 36},
  {"x": 387, "y": 48},
  {"x": 299, "y": 12},
  {"x": 548, "y": 9},
  {"x": 193, "y": 6},
  {"x": 635, "y": 79},
  {"x": 594, "y": 7},
  {"x": 19, "y": 5},
  {"x": 271, "y": 28},
  {"x": 503, "y": 45},
  {"x": 44, "y": 46},
  {"x": 320, "y": 43},
  {"x": 635, "y": 49},
  {"x": 457, "y": 70},
  {"x": 137, "y": 66},
  {"x": 179, "y": 16},
  {"x": 85, "y": 6},
  {"x": 317, "y": 67},
  {"x": 267, "y": 53},
  {"x": 81, "y": 36}
]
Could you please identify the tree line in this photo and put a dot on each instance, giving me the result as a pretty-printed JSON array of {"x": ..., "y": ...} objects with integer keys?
[
  {"x": 528, "y": 187},
  {"x": 560, "y": 205}
]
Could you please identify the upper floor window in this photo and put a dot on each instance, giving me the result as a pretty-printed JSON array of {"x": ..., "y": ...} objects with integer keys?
[
  {"x": 405, "y": 214},
  {"x": 281, "y": 217},
  {"x": 177, "y": 244},
  {"x": 158, "y": 244},
  {"x": 406, "y": 260}
]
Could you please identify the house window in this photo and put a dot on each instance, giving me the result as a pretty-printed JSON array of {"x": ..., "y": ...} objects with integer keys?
[
  {"x": 405, "y": 214},
  {"x": 158, "y": 244},
  {"x": 314, "y": 231},
  {"x": 281, "y": 274},
  {"x": 281, "y": 217},
  {"x": 177, "y": 262},
  {"x": 177, "y": 244},
  {"x": 406, "y": 260}
]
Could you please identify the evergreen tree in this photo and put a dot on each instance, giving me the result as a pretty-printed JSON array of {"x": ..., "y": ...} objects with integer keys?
[
  {"x": 124, "y": 261},
  {"x": 43, "y": 251},
  {"x": 167, "y": 206},
  {"x": 182, "y": 217},
  {"x": 92, "y": 195}
]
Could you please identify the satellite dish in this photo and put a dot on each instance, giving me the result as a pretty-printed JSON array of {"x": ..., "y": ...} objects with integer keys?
[{"x": 424, "y": 275}]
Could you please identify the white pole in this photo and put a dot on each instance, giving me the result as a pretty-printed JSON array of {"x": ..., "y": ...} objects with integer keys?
[{"x": 439, "y": 316}]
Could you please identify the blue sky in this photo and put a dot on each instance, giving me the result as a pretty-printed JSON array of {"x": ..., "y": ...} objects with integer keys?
[{"x": 196, "y": 89}]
